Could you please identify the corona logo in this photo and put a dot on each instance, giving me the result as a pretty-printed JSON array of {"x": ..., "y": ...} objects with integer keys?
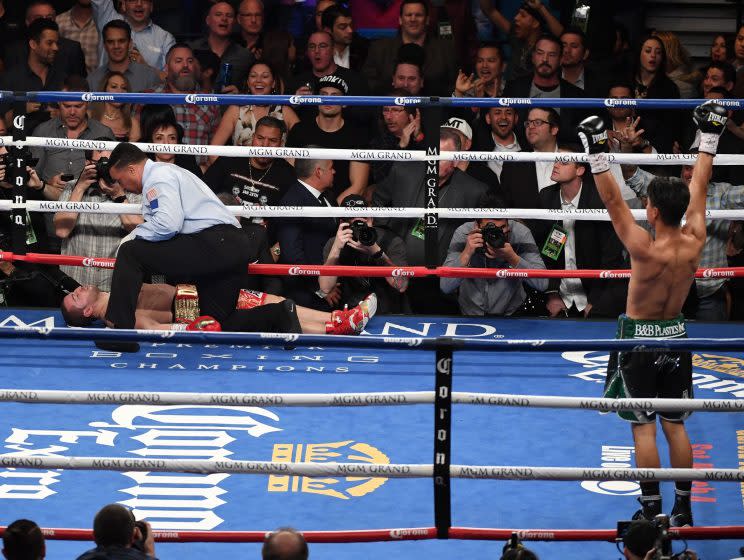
[
  {"x": 19, "y": 122},
  {"x": 444, "y": 366},
  {"x": 712, "y": 273},
  {"x": 503, "y": 273},
  {"x": 194, "y": 98},
  {"x": 97, "y": 263},
  {"x": 300, "y": 100},
  {"x": 721, "y": 364},
  {"x": 620, "y": 102},
  {"x": 509, "y": 101},
  {"x": 610, "y": 274},
  {"x": 334, "y": 487},
  {"x": 401, "y": 272},
  {"x": 402, "y": 533},
  {"x": 407, "y": 101},
  {"x": 297, "y": 271},
  {"x": 96, "y": 97}
]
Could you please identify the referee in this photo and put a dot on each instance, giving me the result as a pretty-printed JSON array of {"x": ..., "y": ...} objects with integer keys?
[{"x": 188, "y": 235}]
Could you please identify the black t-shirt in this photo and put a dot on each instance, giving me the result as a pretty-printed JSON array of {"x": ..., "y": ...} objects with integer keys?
[
  {"x": 348, "y": 136},
  {"x": 253, "y": 186}
]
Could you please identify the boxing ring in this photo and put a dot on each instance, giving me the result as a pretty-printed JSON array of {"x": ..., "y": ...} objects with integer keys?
[{"x": 441, "y": 430}]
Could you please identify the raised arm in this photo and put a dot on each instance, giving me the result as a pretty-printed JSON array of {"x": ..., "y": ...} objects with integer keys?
[
  {"x": 593, "y": 136},
  {"x": 711, "y": 119}
]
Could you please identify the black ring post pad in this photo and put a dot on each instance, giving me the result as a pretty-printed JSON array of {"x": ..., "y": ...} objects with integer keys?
[{"x": 117, "y": 346}]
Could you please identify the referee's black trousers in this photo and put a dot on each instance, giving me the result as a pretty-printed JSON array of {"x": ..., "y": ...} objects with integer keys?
[{"x": 215, "y": 259}]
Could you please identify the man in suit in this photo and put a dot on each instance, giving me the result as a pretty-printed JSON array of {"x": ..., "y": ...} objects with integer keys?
[
  {"x": 521, "y": 182},
  {"x": 405, "y": 187},
  {"x": 301, "y": 240},
  {"x": 350, "y": 49},
  {"x": 546, "y": 82},
  {"x": 579, "y": 244}
]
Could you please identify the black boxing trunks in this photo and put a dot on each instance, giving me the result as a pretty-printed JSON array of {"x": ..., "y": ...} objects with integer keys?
[{"x": 649, "y": 374}]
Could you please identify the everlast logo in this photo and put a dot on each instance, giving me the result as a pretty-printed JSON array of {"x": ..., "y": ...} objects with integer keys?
[{"x": 297, "y": 271}]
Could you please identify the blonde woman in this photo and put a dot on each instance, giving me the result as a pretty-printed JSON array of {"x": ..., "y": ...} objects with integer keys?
[{"x": 678, "y": 67}]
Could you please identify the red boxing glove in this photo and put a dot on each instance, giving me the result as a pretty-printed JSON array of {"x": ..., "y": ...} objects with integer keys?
[{"x": 204, "y": 323}]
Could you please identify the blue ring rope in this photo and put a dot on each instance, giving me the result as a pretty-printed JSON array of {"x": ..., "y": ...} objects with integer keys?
[
  {"x": 428, "y": 343},
  {"x": 359, "y": 100}
]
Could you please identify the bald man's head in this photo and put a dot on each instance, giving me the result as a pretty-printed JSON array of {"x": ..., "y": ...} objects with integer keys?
[{"x": 285, "y": 544}]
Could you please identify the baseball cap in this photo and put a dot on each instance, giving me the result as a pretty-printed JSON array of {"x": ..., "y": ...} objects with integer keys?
[
  {"x": 333, "y": 80},
  {"x": 353, "y": 201},
  {"x": 459, "y": 125}
]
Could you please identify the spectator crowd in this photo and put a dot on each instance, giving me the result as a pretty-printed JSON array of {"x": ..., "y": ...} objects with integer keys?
[{"x": 306, "y": 48}]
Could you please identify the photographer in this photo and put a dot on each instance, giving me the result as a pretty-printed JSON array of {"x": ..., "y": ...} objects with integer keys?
[
  {"x": 492, "y": 243},
  {"x": 359, "y": 243},
  {"x": 119, "y": 537},
  {"x": 649, "y": 540},
  {"x": 94, "y": 235},
  {"x": 25, "y": 284}
]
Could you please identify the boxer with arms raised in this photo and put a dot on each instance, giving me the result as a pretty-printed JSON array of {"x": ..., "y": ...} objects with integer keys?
[{"x": 662, "y": 271}]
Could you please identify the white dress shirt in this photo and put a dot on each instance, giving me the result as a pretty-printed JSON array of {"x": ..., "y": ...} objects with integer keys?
[
  {"x": 497, "y": 166},
  {"x": 544, "y": 169},
  {"x": 571, "y": 289}
]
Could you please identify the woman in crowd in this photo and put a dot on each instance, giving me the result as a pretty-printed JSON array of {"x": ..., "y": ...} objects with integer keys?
[
  {"x": 279, "y": 52},
  {"x": 114, "y": 114},
  {"x": 722, "y": 48},
  {"x": 650, "y": 81},
  {"x": 159, "y": 126},
  {"x": 678, "y": 66},
  {"x": 239, "y": 122}
]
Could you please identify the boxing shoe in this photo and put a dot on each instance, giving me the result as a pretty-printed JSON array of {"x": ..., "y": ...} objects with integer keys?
[
  {"x": 649, "y": 509},
  {"x": 352, "y": 321},
  {"x": 681, "y": 512}
]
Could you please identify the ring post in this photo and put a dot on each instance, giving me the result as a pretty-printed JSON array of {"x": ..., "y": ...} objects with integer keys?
[
  {"x": 18, "y": 174},
  {"x": 442, "y": 437}
]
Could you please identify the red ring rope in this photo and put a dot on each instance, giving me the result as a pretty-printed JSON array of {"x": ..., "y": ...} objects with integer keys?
[
  {"x": 407, "y": 534},
  {"x": 380, "y": 271}
]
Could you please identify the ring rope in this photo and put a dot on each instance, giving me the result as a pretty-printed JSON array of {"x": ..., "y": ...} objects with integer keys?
[
  {"x": 490, "y": 472},
  {"x": 368, "y": 154},
  {"x": 406, "y": 534},
  {"x": 398, "y": 398},
  {"x": 589, "y": 214},
  {"x": 379, "y": 271},
  {"x": 427, "y": 343},
  {"x": 359, "y": 100}
]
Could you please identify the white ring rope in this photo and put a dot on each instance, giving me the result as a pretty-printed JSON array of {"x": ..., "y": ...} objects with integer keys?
[
  {"x": 364, "y": 154},
  {"x": 361, "y": 469},
  {"x": 362, "y": 399},
  {"x": 376, "y": 212}
]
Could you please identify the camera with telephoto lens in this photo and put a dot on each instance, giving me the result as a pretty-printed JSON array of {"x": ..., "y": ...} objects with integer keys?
[
  {"x": 362, "y": 233},
  {"x": 663, "y": 543},
  {"x": 493, "y": 236},
  {"x": 102, "y": 170}
]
